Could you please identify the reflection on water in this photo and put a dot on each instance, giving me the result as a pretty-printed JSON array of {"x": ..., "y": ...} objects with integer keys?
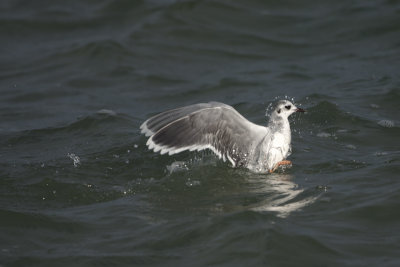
[
  {"x": 282, "y": 195},
  {"x": 276, "y": 193}
]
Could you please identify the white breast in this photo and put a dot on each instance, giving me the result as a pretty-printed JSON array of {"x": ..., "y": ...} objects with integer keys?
[
  {"x": 279, "y": 149},
  {"x": 281, "y": 143}
]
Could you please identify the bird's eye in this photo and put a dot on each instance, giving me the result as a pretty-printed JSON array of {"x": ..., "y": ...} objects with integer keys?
[{"x": 288, "y": 106}]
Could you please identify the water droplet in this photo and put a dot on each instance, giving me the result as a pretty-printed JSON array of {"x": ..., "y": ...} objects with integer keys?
[
  {"x": 322, "y": 187},
  {"x": 177, "y": 166},
  {"x": 75, "y": 158},
  {"x": 190, "y": 183}
]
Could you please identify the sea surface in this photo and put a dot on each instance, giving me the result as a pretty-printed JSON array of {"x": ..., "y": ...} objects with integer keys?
[{"x": 78, "y": 186}]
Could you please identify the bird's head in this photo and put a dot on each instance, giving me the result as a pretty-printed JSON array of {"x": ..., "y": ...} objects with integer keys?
[{"x": 284, "y": 108}]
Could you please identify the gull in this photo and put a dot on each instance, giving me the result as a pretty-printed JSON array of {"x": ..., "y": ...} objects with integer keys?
[{"x": 223, "y": 130}]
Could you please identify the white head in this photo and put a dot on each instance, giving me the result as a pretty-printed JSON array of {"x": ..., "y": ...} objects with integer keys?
[{"x": 284, "y": 108}]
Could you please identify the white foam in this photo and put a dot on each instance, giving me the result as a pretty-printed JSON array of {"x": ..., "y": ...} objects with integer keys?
[{"x": 386, "y": 123}]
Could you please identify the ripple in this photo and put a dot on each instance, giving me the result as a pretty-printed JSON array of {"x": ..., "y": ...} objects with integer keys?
[
  {"x": 287, "y": 197},
  {"x": 335, "y": 166}
]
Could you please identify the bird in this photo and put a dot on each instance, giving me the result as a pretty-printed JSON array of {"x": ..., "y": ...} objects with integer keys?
[{"x": 223, "y": 130}]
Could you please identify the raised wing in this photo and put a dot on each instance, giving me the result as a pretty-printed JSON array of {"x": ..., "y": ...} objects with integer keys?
[{"x": 213, "y": 125}]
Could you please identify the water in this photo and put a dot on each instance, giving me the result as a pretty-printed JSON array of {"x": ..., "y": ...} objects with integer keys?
[{"x": 79, "y": 187}]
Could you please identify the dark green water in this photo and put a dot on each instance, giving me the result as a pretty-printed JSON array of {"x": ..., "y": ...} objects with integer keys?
[{"x": 78, "y": 187}]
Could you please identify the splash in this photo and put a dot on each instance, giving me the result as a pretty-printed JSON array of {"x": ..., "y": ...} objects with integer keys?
[
  {"x": 75, "y": 158},
  {"x": 271, "y": 105},
  {"x": 293, "y": 121},
  {"x": 177, "y": 166},
  {"x": 386, "y": 123}
]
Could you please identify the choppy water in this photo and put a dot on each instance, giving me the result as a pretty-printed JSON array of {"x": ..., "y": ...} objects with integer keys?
[{"x": 79, "y": 187}]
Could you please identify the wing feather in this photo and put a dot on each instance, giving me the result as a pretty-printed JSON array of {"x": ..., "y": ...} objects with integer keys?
[{"x": 213, "y": 125}]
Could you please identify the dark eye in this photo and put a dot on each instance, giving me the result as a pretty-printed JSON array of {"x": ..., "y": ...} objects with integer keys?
[{"x": 288, "y": 106}]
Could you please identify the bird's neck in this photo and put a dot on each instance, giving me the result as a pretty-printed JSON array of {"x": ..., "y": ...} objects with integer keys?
[{"x": 279, "y": 124}]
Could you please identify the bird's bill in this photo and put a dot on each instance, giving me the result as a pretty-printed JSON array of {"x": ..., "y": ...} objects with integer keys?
[{"x": 300, "y": 110}]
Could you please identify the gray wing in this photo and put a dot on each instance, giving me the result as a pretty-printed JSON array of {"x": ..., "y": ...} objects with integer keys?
[{"x": 213, "y": 125}]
